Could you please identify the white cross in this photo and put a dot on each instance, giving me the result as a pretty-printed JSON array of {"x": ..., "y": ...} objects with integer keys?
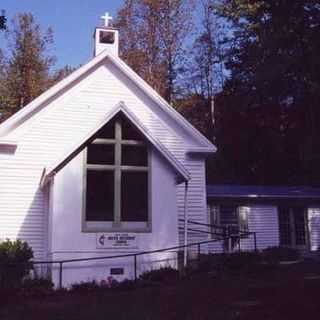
[{"x": 106, "y": 19}]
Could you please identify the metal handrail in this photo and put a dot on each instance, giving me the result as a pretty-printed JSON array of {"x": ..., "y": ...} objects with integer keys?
[
  {"x": 126, "y": 255},
  {"x": 225, "y": 234},
  {"x": 204, "y": 224},
  {"x": 215, "y": 226},
  {"x": 135, "y": 255}
]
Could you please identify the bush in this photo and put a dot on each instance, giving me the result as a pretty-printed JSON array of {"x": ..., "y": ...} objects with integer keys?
[
  {"x": 37, "y": 283},
  {"x": 110, "y": 283},
  {"x": 37, "y": 287},
  {"x": 242, "y": 262},
  {"x": 166, "y": 274},
  {"x": 235, "y": 263},
  {"x": 15, "y": 263},
  {"x": 86, "y": 286},
  {"x": 274, "y": 255}
]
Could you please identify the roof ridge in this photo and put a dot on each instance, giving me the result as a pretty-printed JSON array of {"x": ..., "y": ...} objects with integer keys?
[
  {"x": 25, "y": 113},
  {"x": 49, "y": 173}
]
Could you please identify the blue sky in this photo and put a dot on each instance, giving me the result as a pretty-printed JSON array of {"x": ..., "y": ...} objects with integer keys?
[{"x": 73, "y": 23}]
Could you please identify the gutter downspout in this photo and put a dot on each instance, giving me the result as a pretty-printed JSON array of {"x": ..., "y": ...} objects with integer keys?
[{"x": 185, "y": 224}]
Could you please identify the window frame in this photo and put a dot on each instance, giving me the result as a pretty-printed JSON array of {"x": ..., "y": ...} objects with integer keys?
[
  {"x": 292, "y": 225},
  {"x": 117, "y": 225},
  {"x": 215, "y": 209}
]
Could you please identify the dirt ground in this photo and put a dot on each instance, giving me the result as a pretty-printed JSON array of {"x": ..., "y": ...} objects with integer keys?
[{"x": 287, "y": 292}]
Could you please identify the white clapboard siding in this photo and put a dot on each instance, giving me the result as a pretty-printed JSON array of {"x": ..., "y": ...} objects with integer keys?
[
  {"x": 22, "y": 212},
  {"x": 314, "y": 228},
  {"x": 43, "y": 139},
  {"x": 263, "y": 219},
  {"x": 196, "y": 201}
]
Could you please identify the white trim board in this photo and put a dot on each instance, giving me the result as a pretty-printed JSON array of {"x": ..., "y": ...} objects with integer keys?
[
  {"x": 50, "y": 172},
  {"x": 28, "y": 111}
]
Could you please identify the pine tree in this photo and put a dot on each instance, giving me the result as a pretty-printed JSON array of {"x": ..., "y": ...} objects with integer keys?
[
  {"x": 269, "y": 116},
  {"x": 25, "y": 72}
]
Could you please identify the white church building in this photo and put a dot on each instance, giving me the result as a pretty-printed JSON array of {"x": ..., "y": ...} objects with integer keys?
[{"x": 101, "y": 165}]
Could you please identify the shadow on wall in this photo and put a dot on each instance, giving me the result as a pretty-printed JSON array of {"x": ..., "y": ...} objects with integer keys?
[
  {"x": 70, "y": 242},
  {"x": 33, "y": 226},
  {"x": 34, "y": 223}
]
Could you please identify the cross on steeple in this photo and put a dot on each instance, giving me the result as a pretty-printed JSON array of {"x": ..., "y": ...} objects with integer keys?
[{"x": 106, "y": 19}]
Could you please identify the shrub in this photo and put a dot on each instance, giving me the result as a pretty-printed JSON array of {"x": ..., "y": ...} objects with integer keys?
[
  {"x": 37, "y": 287},
  {"x": 37, "y": 283},
  {"x": 242, "y": 262},
  {"x": 165, "y": 274},
  {"x": 15, "y": 263},
  {"x": 126, "y": 285},
  {"x": 86, "y": 286},
  {"x": 274, "y": 255},
  {"x": 110, "y": 283}
]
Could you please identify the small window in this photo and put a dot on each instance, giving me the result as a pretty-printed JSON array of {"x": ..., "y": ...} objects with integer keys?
[
  {"x": 231, "y": 216},
  {"x": 107, "y": 37},
  {"x": 293, "y": 226},
  {"x": 228, "y": 215}
]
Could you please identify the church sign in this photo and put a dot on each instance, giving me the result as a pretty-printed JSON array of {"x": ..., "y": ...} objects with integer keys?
[{"x": 116, "y": 240}]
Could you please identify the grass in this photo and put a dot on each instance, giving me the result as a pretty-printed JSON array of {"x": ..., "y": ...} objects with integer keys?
[{"x": 286, "y": 292}]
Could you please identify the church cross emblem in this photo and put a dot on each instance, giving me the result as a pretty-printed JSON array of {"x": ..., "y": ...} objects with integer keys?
[{"x": 106, "y": 19}]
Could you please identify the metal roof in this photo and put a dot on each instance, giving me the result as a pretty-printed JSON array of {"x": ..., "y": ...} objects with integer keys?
[{"x": 259, "y": 191}]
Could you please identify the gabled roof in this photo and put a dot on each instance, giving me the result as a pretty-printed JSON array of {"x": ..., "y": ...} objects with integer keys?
[
  {"x": 262, "y": 192},
  {"x": 13, "y": 122},
  {"x": 49, "y": 173}
]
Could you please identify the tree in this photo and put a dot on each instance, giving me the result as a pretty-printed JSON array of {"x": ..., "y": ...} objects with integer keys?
[
  {"x": 175, "y": 24},
  {"x": 205, "y": 74},
  {"x": 60, "y": 74},
  {"x": 25, "y": 74},
  {"x": 153, "y": 34},
  {"x": 139, "y": 41},
  {"x": 3, "y": 20},
  {"x": 268, "y": 114}
]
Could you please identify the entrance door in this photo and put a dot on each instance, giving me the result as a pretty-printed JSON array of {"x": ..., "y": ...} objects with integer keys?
[{"x": 293, "y": 227}]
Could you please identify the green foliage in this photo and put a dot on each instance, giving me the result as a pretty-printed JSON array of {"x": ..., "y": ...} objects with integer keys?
[
  {"x": 15, "y": 262},
  {"x": 86, "y": 286},
  {"x": 37, "y": 287},
  {"x": 152, "y": 42},
  {"x": 104, "y": 285},
  {"x": 233, "y": 264},
  {"x": 25, "y": 71},
  {"x": 268, "y": 121},
  {"x": 274, "y": 255},
  {"x": 242, "y": 262},
  {"x": 3, "y": 20},
  {"x": 42, "y": 283},
  {"x": 166, "y": 274}
]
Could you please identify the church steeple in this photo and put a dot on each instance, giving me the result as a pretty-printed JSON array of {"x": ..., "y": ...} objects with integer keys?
[{"x": 106, "y": 37}]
